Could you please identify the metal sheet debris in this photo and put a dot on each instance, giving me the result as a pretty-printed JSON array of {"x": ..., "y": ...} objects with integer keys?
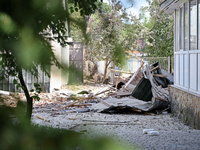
[{"x": 151, "y": 87}]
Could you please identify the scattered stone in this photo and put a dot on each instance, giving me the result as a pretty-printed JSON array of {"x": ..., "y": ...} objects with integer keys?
[
  {"x": 153, "y": 133},
  {"x": 145, "y": 131}
]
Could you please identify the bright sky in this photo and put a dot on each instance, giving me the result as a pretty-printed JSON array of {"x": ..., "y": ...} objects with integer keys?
[{"x": 136, "y": 6}]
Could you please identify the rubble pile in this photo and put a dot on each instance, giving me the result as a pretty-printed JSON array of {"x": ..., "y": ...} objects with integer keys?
[
  {"x": 148, "y": 85},
  {"x": 145, "y": 91},
  {"x": 9, "y": 99}
]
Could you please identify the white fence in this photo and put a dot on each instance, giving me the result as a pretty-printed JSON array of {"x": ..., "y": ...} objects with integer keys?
[{"x": 135, "y": 62}]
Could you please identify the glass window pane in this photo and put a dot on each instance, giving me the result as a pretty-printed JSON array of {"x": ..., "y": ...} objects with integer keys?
[
  {"x": 181, "y": 69},
  {"x": 193, "y": 71},
  {"x": 186, "y": 27},
  {"x": 199, "y": 27},
  {"x": 186, "y": 62},
  {"x": 198, "y": 73},
  {"x": 177, "y": 69},
  {"x": 181, "y": 27},
  {"x": 193, "y": 24},
  {"x": 177, "y": 31}
]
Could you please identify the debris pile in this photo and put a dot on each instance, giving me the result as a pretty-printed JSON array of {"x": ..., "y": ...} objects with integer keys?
[
  {"x": 145, "y": 91},
  {"x": 9, "y": 99},
  {"x": 148, "y": 85}
]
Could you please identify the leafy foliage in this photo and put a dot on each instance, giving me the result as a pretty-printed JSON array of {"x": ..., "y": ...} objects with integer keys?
[
  {"x": 27, "y": 45},
  {"x": 157, "y": 30},
  {"x": 85, "y": 7},
  {"x": 77, "y": 26},
  {"x": 27, "y": 29},
  {"x": 110, "y": 38}
]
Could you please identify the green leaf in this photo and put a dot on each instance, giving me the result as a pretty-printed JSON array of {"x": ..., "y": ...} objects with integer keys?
[
  {"x": 32, "y": 90},
  {"x": 36, "y": 85},
  {"x": 18, "y": 86},
  {"x": 15, "y": 81},
  {"x": 38, "y": 98}
]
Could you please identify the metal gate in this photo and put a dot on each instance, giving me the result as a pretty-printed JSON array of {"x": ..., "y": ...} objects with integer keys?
[
  {"x": 76, "y": 63},
  {"x": 42, "y": 79}
]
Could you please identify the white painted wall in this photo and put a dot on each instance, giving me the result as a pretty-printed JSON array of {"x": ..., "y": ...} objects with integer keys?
[
  {"x": 65, "y": 63},
  {"x": 101, "y": 66},
  {"x": 55, "y": 78}
]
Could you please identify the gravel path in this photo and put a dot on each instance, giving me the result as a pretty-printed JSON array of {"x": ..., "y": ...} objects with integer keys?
[{"x": 127, "y": 129}]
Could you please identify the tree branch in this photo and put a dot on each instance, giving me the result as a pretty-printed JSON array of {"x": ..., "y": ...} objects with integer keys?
[{"x": 28, "y": 98}]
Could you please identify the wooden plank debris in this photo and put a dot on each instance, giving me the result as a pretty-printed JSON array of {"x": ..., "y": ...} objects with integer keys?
[
  {"x": 169, "y": 89},
  {"x": 123, "y": 94},
  {"x": 74, "y": 118},
  {"x": 61, "y": 113},
  {"x": 101, "y": 100},
  {"x": 43, "y": 118},
  {"x": 154, "y": 68},
  {"x": 102, "y": 92},
  {"x": 158, "y": 75},
  {"x": 121, "y": 71},
  {"x": 137, "y": 110},
  {"x": 49, "y": 100},
  {"x": 147, "y": 113},
  {"x": 135, "y": 74},
  {"x": 161, "y": 99},
  {"x": 82, "y": 105},
  {"x": 72, "y": 104}
]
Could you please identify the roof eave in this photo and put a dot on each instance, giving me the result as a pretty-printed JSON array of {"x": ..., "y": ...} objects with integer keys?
[{"x": 171, "y": 5}]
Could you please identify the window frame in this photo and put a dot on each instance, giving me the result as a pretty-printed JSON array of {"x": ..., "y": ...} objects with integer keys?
[{"x": 184, "y": 55}]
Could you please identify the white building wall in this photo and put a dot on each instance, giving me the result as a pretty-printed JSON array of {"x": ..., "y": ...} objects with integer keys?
[
  {"x": 55, "y": 78},
  {"x": 101, "y": 66}
]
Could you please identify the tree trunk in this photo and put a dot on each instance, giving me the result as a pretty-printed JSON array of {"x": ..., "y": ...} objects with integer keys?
[
  {"x": 28, "y": 98},
  {"x": 105, "y": 70}
]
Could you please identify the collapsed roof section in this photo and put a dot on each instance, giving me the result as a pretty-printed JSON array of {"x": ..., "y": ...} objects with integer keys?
[{"x": 150, "y": 93}]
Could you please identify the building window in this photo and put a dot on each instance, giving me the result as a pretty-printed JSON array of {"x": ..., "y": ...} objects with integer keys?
[
  {"x": 177, "y": 31},
  {"x": 181, "y": 28},
  {"x": 199, "y": 25},
  {"x": 187, "y": 46},
  {"x": 186, "y": 27},
  {"x": 193, "y": 71},
  {"x": 193, "y": 24},
  {"x": 186, "y": 67}
]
